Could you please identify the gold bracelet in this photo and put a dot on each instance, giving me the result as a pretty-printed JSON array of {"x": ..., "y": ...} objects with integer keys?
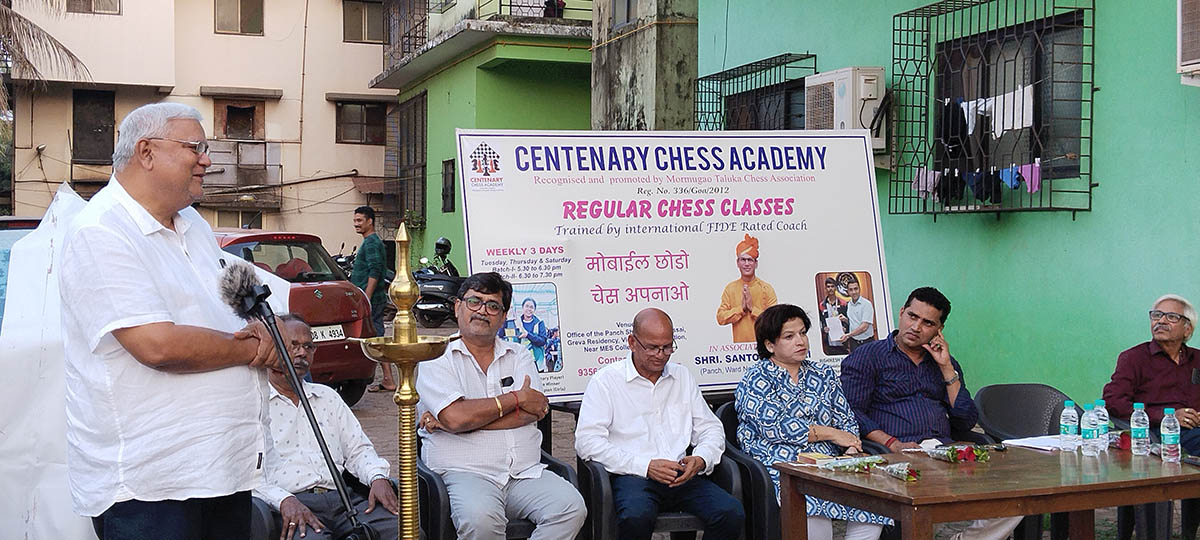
[{"x": 499, "y": 407}]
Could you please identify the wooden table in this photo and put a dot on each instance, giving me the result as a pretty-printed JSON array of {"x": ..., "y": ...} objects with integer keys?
[{"x": 1018, "y": 482}]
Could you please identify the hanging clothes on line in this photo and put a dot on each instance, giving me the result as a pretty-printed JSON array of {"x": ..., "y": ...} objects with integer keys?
[
  {"x": 1012, "y": 111},
  {"x": 1011, "y": 176},
  {"x": 951, "y": 187},
  {"x": 1008, "y": 111},
  {"x": 925, "y": 183},
  {"x": 1032, "y": 172}
]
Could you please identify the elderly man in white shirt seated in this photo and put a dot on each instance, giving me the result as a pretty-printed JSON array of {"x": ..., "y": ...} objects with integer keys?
[
  {"x": 638, "y": 419},
  {"x": 297, "y": 482},
  {"x": 481, "y": 400}
]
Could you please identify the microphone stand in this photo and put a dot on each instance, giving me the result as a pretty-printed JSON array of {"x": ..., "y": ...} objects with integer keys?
[{"x": 257, "y": 306}]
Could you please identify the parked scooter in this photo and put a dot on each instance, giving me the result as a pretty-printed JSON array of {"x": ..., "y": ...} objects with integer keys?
[
  {"x": 438, "y": 282},
  {"x": 345, "y": 262}
]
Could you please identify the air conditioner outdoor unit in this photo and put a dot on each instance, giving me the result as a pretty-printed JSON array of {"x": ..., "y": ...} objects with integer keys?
[
  {"x": 1189, "y": 41},
  {"x": 846, "y": 98}
]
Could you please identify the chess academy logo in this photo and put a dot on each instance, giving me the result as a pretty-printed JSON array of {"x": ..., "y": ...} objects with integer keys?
[{"x": 485, "y": 169}]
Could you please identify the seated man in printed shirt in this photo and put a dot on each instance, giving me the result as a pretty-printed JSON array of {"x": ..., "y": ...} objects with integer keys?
[{"x": 297, "y": 481}]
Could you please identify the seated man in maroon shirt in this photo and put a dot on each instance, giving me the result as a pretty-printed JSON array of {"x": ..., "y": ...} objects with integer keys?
[{"x": 1159, "y": 372}]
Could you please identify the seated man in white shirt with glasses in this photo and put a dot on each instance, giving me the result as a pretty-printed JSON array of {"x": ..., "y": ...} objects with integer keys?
[
  {"x": 481, "y": 400},
  {"x": 297, "y": 483},
  {"x": 638, "y": 419}
]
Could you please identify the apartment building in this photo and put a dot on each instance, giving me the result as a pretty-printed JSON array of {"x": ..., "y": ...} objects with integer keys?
[
  {"x": 485, "y": 64},
  {"x": 296, "y": 131}
]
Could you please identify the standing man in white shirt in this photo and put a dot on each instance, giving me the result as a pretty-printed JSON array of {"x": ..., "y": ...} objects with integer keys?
[
  {"x": 482, "y": 399},
  {"x": 298, "y": 483},
  {"x": 638, "y": 419},
  {"x": 860, "y": 316},
  {"x": 166, "y": 390}
]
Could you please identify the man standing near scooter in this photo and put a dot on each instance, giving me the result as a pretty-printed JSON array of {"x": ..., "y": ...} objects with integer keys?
[{"x": 368, "y": 274}]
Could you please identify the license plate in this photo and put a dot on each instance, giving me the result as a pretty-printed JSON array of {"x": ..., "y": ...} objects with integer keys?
[{"x": 328, "y": 333}]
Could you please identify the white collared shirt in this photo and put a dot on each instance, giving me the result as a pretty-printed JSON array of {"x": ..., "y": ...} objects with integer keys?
[
  {"x": 625, "y": 420},
  {"x": 499, "y": 454},
  {"x": 861, "y": 312},
  {"x": 300, "y": 465},
  {"x": 134, "y": 432}
]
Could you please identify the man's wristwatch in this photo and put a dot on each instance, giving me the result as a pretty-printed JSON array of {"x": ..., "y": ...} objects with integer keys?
[{"x": 953, "y": 379}]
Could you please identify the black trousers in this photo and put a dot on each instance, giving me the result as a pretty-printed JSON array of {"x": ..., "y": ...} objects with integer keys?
[{"x": 216, "y": 518}]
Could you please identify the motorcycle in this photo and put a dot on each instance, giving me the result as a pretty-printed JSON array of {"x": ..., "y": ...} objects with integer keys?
[{"x": 438, "y": 282}]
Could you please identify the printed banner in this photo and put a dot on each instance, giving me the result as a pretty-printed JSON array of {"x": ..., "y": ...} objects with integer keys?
[{"x": 710, "y": 227}]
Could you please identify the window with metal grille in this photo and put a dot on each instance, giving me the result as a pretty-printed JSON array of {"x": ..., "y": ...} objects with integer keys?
[
  {"x": 994, "y": 103},
  {"x": 93, "y": 127},
  {"x": 362, "y": 21},
  {"x": 410, "y": 154},
  {"x": 239, "y": 17},
  {"x": 361, "y": 123},
  {"x": 448, "y": 181},
  {"x": 408, "y": 29},
  {"x": 765, "y": 94},
  {"x": 107, "y": 7}
]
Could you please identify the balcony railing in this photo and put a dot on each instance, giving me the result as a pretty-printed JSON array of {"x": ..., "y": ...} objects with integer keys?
[{"x": 570, "y": 9}]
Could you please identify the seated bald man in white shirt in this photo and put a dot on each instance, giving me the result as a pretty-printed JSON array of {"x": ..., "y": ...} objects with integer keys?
[{"x": 638, "y": 419}]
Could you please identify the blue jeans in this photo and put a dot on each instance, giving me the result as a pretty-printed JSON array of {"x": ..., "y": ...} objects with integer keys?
[
  {"x": 213, "y": 518},
  {"x": 377, "y": 316},
  {"x": 638, "y": 501}
]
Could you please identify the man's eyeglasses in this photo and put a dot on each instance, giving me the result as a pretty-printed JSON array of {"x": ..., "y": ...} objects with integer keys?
[
  {"x": 199, "y": 147},
  {"x": 747, "y": 259},
  {"x": 491, "y": 307},
  {"x": 1170, "y": 316},
  {"x": 656, "y": 349}
]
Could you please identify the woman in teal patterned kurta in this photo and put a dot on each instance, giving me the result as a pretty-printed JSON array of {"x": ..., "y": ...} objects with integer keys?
[{"x": 787, "y": 404}]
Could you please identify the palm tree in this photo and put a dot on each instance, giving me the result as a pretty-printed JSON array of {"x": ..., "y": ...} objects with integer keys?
[{"x": 29, "y": 51}]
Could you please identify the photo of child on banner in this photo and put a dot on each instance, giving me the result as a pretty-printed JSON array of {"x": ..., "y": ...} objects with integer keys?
[{"x": 533, "y": 321}]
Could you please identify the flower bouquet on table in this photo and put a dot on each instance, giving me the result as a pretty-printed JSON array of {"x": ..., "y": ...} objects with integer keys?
[
  {"x": 959, "y": 453},
  {"x": 854, "y": 464},
  {"x": 904, "y": 472}
]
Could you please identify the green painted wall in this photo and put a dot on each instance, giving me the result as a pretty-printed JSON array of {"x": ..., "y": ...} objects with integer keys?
[
  {"x": 1037, "y": 297},
  {"x": 527, "y": 84}
]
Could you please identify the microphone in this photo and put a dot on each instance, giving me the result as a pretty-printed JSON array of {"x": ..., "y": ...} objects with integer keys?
[
  {"x": 1195, "y": 375},
  {"x": 241, "y": 288}
]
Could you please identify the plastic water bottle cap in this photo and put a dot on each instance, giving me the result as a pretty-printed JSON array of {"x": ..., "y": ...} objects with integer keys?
[
  {"x": 1139, "y": 405},
  {"x": 1088, "y": 406},
  {"x": 1169, "y": 410},
  {"x": 1099, "y": 402},
  {"x": 1068, "y": 403}
]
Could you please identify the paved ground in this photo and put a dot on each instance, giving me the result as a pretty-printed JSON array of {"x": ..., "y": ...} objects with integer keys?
[{"x": 377, "y": 413}]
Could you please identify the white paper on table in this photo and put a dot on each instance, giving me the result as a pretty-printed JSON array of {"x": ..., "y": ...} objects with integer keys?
[
  {"x": 836, "y": 334},
  {"x": 1041, "y": 442}
]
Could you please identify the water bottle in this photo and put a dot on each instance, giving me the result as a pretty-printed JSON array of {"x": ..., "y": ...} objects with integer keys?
[
  {"x": 1087, "y": 426},
  {"x": 1139, "y": 424},
  {"x": 1102, "y": 424},
  {"x": 1169, "y": 430},
  {"x": 1068, "y": 427}
]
